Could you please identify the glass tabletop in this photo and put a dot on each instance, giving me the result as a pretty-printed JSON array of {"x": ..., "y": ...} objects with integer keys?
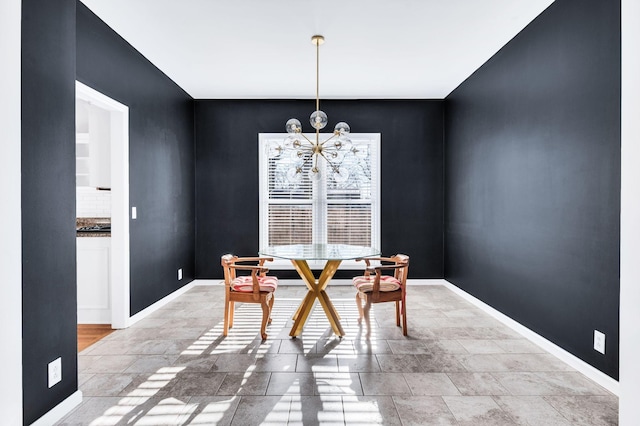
[{"x": 319, "y": 251}]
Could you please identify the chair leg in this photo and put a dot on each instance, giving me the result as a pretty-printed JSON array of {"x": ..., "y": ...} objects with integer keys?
[
  {"x": 232, "y": 308},
  {"x": 271, "y": 301},
  {"x": 404, "y": 317},
  {"x": 397, "y": 313},
  {"x": 265, "y": 318},
  {"x": 367, "y": 309},
  {"x": 359, "y": 305},
  {"x": 225, "y": 329}
]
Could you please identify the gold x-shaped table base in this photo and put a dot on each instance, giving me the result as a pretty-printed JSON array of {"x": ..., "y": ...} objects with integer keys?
[{"x": 316, "y": 291}]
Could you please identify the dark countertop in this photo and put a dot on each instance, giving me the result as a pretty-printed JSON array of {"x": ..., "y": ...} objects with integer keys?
[
  {"x": 93, "y": 234},
  {"x": 92, "y": 221}
]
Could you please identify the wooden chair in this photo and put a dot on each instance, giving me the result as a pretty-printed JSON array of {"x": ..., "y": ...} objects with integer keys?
[
  {"x": 378, "y": 288},
  {"x": 257, "y": 287}
]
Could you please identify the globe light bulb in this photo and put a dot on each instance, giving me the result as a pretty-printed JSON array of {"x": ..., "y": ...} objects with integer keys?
[
  {"x": 297, "y": 155},
  {"x": 345, "y": 144},
  {"x": 340, "y": 175},
  {"x": 291, "y": 141},
  {"x": 361, "y": 151},
  {"x": 342, "y": 128},
  {"x": 293, "y": 126},
  {"x": 318, "y": 120},
  {"x": 314, "y": 174},
  {"x": 274, "y": 150},
  {"x": 294, "y": 174}
]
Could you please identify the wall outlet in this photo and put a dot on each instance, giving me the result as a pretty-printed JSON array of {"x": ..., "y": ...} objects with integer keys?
[
  {"x": 55, "y": 372},
  {"x": 134, "y": 213},
  {"x": 179, "y": 274},
  {"x": 598, "y": 341}
]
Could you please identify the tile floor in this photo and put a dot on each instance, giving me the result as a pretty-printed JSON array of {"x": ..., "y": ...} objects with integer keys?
[{"x": 458, "y": 366}]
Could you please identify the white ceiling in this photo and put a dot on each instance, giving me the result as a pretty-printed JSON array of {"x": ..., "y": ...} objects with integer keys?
[{"x": 417, "y": 49}]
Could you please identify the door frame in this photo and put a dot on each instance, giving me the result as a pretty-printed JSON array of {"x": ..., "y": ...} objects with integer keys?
[{"x": 120, "y": 251}]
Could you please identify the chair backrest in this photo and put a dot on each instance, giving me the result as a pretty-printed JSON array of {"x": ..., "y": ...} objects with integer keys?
[
  {"x": 401, "y": 273},
  {"x": 228, "y": 261},
  {"x": 231, "y": 263},
  {"x": 399, "y": 263}
]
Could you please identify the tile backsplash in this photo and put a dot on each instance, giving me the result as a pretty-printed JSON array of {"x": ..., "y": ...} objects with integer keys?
[{"x": 92, "y": 203}]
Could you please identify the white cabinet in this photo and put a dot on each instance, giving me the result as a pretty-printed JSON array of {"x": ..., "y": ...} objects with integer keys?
[
  {"x": 82, "y": 159},
  {"x": 100, "y": 143},
  {"x": 93, "y": 146},
  {"x": 94, "y": 280}
]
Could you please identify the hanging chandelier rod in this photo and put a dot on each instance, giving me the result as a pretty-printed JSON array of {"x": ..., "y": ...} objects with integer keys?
[{"x": 317, "y": 40}]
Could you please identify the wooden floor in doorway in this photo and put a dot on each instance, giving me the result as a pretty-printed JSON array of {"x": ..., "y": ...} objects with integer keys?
[{"x": 88, "y": 334}]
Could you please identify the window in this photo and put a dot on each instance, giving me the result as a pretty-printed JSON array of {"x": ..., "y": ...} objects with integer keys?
[{"x": 322, "y": 211}]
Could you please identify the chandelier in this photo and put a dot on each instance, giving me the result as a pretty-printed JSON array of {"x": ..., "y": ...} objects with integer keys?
[{"x": 310, "y": 154}]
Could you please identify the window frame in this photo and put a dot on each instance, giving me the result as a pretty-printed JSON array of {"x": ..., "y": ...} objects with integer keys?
[{"x": 374, "y": 140}]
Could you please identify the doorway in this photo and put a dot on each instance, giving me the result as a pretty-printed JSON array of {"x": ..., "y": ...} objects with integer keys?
[{"x": 117, "y": 268}]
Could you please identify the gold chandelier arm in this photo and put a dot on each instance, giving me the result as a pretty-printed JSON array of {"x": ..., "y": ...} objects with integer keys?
[
  {"x": 308, "y": 140},
  {"x": 326, "y": 159},
  {"x": 331, "y": 164},
  {"x": 306, "y": 160},
  {"x": 332, "y": 136}
]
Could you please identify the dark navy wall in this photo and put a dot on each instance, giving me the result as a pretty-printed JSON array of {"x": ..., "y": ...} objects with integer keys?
[
  {"x": 161, "y": 181},
  {"x": 411, "y": 180},
  {"x": 161, "y": 149},
  {"x": 48, "y": 203},
  {"x": 532, "y": 160}
]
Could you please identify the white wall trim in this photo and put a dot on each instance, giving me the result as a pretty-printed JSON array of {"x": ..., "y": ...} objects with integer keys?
[
  {"x": 160, "y": 303},
  {"x": 592, "y": 373},
  {"x": 120, "y": 252},
  {"x": 419, "y": 282},
  {"x": 60, "y": 410},
  {"x": 629, "y": 409},
  {"x": 208, "y": 282},
  {"x": 11, "y": 228},
  {"x": 298, "y": 281}
]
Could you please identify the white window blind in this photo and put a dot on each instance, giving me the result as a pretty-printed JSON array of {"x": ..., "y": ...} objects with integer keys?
[{"x": 323, "y": 211}]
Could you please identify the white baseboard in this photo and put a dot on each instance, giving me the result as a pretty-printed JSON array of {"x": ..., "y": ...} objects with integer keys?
[
  {"x": 160, "y": 303},
  {"x": 208, "y": 282},
  {"x": 60, "y": 410},
  {"x": 588, "y": 370},
  {"x": 336, "y": 281},
  {"x": 434, "y": 281}
]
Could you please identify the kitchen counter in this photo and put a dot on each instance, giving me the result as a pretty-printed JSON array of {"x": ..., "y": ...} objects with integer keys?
[
  {"x": 93, "y": 234},
  {"x": 92, "y": 221}
]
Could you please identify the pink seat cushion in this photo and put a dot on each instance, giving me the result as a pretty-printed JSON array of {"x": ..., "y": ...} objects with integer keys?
[
  {"x": 387, "y": 283},
  {"x": 245, "y": 284}
]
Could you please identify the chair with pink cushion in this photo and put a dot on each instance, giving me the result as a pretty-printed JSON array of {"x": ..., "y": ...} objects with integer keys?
[
  {"x": 254, "y": 286},
  {"x": 376, "y": 287}
]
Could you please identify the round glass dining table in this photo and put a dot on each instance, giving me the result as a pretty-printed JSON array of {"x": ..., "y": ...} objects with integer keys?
[{"x": 333, "y": 254}]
